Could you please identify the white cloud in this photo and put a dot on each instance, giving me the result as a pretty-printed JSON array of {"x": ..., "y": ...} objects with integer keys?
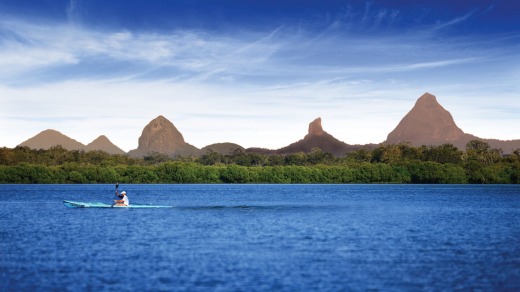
[{"x": 19, "y": 57}]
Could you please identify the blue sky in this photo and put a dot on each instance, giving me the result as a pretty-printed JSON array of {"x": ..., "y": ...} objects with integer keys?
[{"x": 254, "y": 73}]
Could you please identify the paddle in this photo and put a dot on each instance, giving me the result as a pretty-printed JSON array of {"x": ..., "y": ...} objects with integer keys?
[{"x": 117, "y": 186}]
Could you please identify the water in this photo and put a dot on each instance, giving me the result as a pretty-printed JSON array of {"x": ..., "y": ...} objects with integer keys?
[{"x": 262, "y": 238}]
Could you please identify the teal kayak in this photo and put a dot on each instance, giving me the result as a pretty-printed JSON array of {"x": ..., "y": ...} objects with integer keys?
[{"x": 74, "y": 204}]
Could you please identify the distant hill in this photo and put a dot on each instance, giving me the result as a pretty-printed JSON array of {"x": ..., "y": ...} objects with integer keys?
[
  {"x": 161, "y": 136},
  {"x": 315, "y": 138},
  {"x": 103, "y": 143},
  {"x": 50, "y": 138},
  {"x": 222, "y": 148},
  {"x": 428, "y": 123},
  {"x": 508, "y": 146},
  {"x": 260, "y": 150}
]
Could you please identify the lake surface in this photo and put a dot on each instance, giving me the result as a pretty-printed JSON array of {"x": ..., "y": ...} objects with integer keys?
[{"x": 262, "y": 238}]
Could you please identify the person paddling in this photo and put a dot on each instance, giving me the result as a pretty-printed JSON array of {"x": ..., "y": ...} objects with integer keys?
[{"x": 124, "y": 199}]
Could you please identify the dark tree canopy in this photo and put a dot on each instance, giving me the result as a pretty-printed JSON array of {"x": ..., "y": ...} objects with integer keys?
[{"x": 398, "y": 163}]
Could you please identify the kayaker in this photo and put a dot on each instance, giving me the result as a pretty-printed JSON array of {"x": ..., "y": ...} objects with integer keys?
[{"x": 124, "y": 199}]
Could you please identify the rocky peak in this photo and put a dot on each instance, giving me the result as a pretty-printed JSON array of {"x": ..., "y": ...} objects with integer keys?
[
  {"x": 101, "y": 140},
  {"x": 104, "y": 144},
  {"x": 427, "y": 123},
  {"x": 428, "y": 104},
  {"x": 316, "y": 138},
  {"x": 161, "y": 136},
  {"x": 427, "y": 100},
  {"x": 315, "y": 128}
]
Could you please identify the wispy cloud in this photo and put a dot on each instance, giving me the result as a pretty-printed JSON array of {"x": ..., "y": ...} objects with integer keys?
[
  {"x": 442, "y": 25},
  {"x": 73, "y": 13},
  {"x": 81, "y": 44},
  {"x": 185, "y": 52},
  {"x": 438, "y": 64},
  {"x": 190, "y": 55}
]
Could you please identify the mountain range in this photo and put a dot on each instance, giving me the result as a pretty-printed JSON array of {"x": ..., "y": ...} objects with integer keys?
[
  {"x": 50, "y": 138},
  {"x": 427, "y": 123}
]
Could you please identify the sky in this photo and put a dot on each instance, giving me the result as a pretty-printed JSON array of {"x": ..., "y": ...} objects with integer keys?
[{"x": 255, "y": 73}]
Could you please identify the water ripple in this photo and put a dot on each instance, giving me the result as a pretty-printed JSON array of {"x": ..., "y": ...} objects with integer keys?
[{"x": 263, "y": 238}]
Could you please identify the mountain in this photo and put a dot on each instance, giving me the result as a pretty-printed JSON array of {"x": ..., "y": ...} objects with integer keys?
[
  {"x": 102, "y": 143},
  {"x": 318, "y": 138},
  {"x": 161, "y": 136},
  {"x": 508, "y": 146},
  {"x": 428, "y": 123},
  {"x": 222, "y": 148},
  {"x": 50, "y": 138}
]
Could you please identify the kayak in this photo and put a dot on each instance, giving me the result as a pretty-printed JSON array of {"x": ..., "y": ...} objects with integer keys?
[{"x": 75, "y": 204}]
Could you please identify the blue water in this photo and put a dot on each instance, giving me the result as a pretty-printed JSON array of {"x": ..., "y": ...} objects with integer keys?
[{"x": 262, "y": 238}]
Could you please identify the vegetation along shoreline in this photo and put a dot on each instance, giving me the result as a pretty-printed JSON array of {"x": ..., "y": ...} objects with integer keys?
[{"x": 395, "y": 163}]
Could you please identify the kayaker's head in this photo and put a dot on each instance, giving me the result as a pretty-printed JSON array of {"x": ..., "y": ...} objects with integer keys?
[{"x": 123, "y": 193}]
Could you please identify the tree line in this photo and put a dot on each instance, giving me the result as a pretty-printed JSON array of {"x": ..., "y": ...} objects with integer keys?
[{"x": 401, "y": 163}]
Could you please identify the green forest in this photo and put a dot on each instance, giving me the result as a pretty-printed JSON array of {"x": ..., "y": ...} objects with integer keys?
[{"x": 402, "y": 163}]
